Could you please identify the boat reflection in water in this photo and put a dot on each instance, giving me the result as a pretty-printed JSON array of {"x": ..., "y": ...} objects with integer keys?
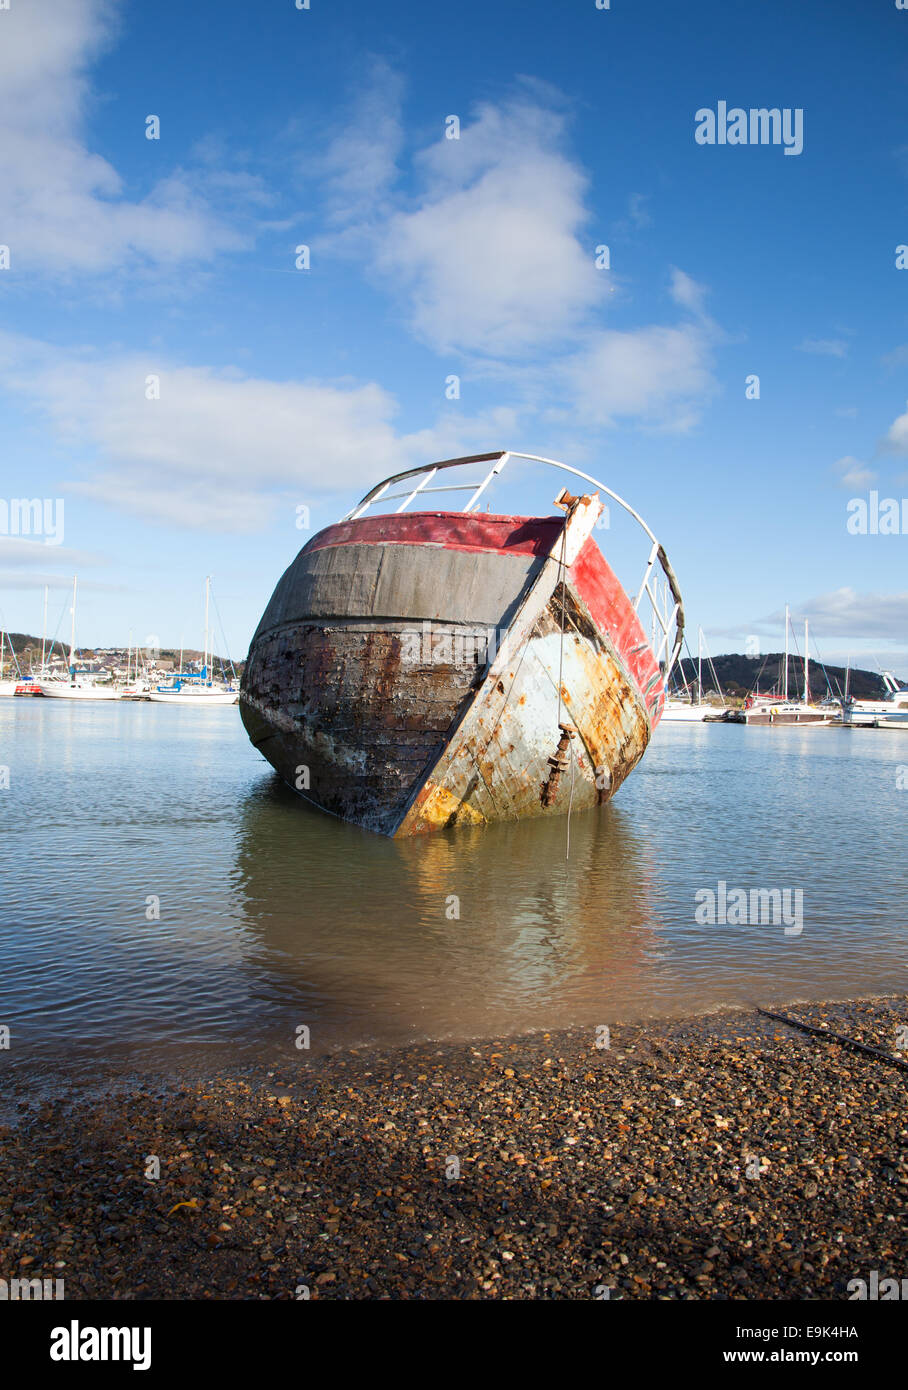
[{"x": 466, "y": 933}]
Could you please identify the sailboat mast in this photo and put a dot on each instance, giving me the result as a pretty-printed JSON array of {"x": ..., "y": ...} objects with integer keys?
[
  {"x": 806, "y": 663},
  {"x": 44, "y": 629},
  {"x": 699, "y": 666},
  {"x": 786, "y": 651},
  {"x": 207, "y": 596},
  {"x": 72, "y": 636}
]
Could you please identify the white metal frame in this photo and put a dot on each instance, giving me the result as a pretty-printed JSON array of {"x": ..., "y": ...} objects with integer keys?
[{"x": 673, "y": 616}]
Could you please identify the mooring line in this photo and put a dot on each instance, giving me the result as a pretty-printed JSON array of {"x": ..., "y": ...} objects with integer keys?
[{"x": 841, "y": 1038}]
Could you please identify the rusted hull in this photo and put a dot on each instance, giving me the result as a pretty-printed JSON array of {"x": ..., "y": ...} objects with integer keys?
[{"x": 424, "y": 671}]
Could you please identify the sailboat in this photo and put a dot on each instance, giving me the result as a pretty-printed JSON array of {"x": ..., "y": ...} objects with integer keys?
[
  {"x": 195, "y": 688},
  {"x": 81, "y": 685},
  {"x": 28, "y": 685},
  {"x": 7, "y": 687},
  {"x": 679, "y": 709},
  {"x": 889, "y": 713},
  {"x": 774, "y": 709}
]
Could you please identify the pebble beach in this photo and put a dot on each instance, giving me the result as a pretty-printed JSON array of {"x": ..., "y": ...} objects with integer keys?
[{"x": 724, "y": 1157}]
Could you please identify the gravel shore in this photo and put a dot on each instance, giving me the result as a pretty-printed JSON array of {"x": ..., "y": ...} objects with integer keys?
[{"x": 724, "y": 1157}]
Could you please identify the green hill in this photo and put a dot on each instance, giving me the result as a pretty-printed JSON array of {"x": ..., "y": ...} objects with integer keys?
[{"x": 739, "y": 675}]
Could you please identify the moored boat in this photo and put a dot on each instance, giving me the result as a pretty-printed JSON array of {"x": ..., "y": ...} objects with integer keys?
[
  {"x": 422, "y": 669},
  {"x": 888, "y": 713},
  {"x": 78, "y": 688},
  {"x": 183, "y": 692},
  {"x": 689, "y": 706},
  {"x": 8, "y": 684},
  {"x": 759, "y": 710},
  {"x": 777, "y": 709},
  {"x": 197, "y": 689}
]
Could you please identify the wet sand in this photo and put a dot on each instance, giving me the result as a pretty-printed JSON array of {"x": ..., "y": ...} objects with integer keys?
[{"x": 724, "y": 1157}]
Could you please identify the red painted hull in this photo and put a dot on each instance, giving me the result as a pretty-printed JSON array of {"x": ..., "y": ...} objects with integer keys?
[{"x": 364, "y": 691}]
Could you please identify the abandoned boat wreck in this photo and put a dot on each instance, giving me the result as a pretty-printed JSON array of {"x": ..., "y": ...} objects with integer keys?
[{"x": 416, "y": 670}]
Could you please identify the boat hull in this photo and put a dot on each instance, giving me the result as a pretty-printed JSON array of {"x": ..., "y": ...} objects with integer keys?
[
  {"x": 199, "y": 698},
  {"x": 693, "y": 714},
  {"x": 62, "y": 691},
  {"x": 884, "y": 719},
  {"x": 410, "y": 672},
  {"x": 798, "y": 714}
]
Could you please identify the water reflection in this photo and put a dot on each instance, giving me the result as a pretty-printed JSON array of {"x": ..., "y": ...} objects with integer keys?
[{"x": 451, "y": 933}]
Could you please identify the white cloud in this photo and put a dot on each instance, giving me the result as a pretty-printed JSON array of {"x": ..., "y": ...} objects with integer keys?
[
  {"x": 360, "y": 164},
  {"x": 824, "y": 347},
  {"x": 686, "y": 292},
  {"x": 220, "y": 448},
  {"x": 659, "y": 374},
  {"x": 853, "y": 473},
  {"x": 896, "y": 440},
  {"x": 61, "y": 206},
  {"x": 844, "y": 613},
  {"x": 22, "y": 554},
  {"x": 637, "y": 212},
  {"x": 493, "y": 256}
]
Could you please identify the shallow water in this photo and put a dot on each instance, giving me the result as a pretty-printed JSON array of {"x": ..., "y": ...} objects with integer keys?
[{"x": 273, "y": 916}]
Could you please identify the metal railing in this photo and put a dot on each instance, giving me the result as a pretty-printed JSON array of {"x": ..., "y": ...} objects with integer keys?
[{"x": 667, "y": 608}]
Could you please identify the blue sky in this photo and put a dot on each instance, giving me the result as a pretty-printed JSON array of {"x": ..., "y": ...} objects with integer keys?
[{"x": 281, "y": 388}]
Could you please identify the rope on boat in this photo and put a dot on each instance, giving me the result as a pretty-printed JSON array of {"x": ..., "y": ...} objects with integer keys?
[
  {"x": 841, "y": 1038},
  {"x": 567, "y": 847}
]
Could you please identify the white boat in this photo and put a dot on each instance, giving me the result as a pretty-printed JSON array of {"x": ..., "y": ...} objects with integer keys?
[
  {"x": 681, "y": 710},
  {"x": 890, "y": 713},
  {"x": 7, "y": 686},
  {"x": 776, "y": 709},
  {"x": 195, "y": 689},
  {"x": 766, "y": 710},
  {"x": 79, "y": 688},
  {"x": 198, "y": 695},
  {"x": 80, "y": 685},
  {"x": 686, "y": 712}
]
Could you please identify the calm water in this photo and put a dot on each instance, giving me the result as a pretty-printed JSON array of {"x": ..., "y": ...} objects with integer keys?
[{"x": 272, "y": 915}]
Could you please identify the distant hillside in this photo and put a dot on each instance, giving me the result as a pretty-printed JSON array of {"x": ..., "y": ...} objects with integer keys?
[
  {"x": 738, "y": 676},
  {"x": 24, "y": 644}
]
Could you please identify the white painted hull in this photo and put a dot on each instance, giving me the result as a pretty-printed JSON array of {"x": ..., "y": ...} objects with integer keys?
[
  {"x": 60, "y": 690},
  {"x": 879, "y": 714},
  {"x": 202, "y": 698},
  {"x": 8, "y": 687},
  {"x": 863, "y": 720},
  {"x": 691, "y": 714}
]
